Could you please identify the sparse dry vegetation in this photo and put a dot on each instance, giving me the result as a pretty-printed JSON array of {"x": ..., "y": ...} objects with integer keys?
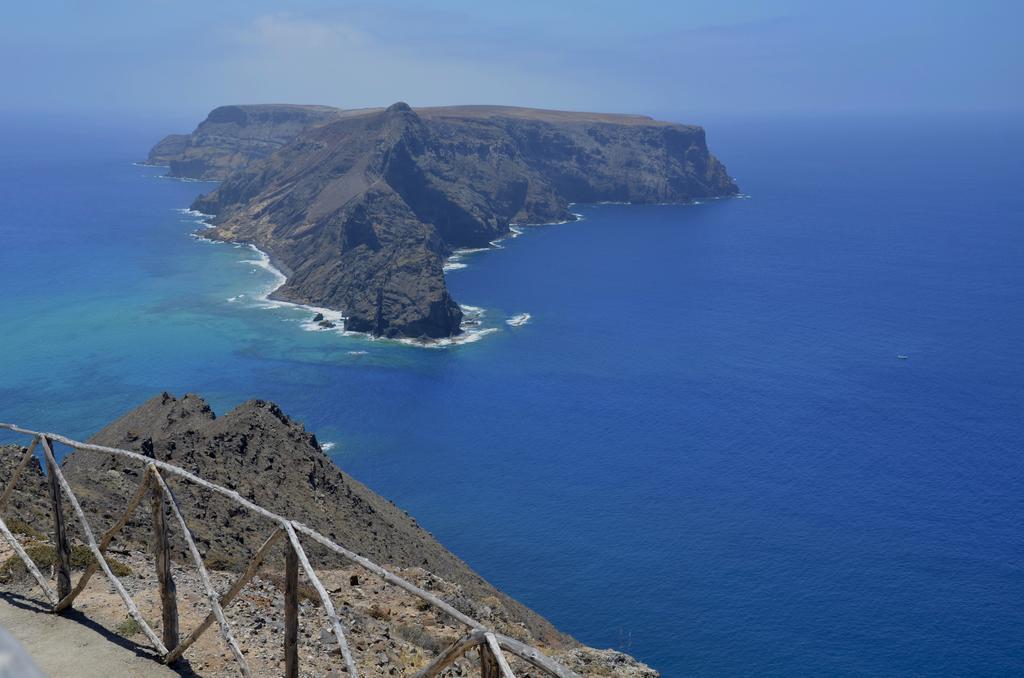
[{"x": 45, "y": 556}]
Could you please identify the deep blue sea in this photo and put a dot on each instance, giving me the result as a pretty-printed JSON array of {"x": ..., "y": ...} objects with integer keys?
[{"x": 702, "y": 449}]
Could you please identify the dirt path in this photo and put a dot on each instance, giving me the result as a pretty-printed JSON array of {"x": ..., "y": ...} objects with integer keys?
[{"x": 74, "y": 645}]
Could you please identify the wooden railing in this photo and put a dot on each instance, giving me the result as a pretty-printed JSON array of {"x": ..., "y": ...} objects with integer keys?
[{"x": 490, "y": 645}]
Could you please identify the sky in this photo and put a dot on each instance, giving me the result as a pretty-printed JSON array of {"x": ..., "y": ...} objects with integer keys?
[{"x": 688, "y": 58}]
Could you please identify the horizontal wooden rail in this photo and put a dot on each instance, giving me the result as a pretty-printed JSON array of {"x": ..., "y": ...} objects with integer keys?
[
  {"x": 460, "y": 647},
  {"x": 490, "y": 645}
]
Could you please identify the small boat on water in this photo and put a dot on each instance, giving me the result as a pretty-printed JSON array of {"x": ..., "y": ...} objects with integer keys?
[{"x": 902, "y": 357}]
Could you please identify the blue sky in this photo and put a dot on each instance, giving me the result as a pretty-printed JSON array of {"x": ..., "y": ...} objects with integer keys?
[{"x": 689, "y": 58}]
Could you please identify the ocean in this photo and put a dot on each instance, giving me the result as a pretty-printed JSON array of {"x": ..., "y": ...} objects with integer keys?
[{"x": 778, "y": 435}]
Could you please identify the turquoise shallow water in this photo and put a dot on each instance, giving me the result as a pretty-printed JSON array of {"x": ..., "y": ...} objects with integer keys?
[{"x": 701, "y": 448}]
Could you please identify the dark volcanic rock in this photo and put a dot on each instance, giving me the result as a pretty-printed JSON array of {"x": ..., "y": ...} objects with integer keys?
[
  {"x": 360, "y": 212},
  {"x": 274, "y": 462},
  {"x": 231, "y": 137},
  {"x": 30, "y": 502},
  {"x": 171, "y": 148}
]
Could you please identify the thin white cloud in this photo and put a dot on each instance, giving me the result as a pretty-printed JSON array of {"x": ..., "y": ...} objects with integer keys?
[
  {"x": 283, "y": 57},
  {"x": 283, "y": 31}
]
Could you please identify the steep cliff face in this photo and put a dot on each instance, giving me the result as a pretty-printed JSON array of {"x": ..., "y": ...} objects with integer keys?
[
  {"x": 326, "y": 209},
  {"x": 233, "y": 136},
  {"x": 361, "y": 212}
]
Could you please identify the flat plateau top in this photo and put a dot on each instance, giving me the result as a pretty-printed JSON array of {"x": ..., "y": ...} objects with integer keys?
[
  {"x": 475, "y": 111},
  {"x": 535, "y": 114}
]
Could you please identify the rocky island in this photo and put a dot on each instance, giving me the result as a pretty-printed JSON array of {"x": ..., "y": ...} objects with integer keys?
[{"x": 360, "y": 208}]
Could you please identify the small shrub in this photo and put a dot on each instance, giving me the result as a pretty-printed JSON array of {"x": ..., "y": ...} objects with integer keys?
[
  {"x": 45, "y": 556},
  {"x": 128, "y": 628},
  {"x": 41, "y": 554},
  {"x": 307, "y": 593},
  {"x": 81, "y": 556},
  {"x": 419, "y": 636},
  {"x": 378, "y": 612},
  {"x": 220, "y": 563},
  {"x": 468, "y": 606},
  {"x": 19, "y": 526}
]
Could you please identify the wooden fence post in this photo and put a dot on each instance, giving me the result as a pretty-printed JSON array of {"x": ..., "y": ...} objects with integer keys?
[
  {"x": 291, "y": 612},
  {"x": 204, "y": 576},
  {"x": 501, "y": 667},
  {"x": 488, "y": 663},
  {"x": 161, "y": 552},
  {"x": 60, "y": 535}
]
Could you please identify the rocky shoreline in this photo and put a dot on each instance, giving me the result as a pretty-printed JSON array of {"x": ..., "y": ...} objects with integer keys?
[{"x": 363, "y": 208}]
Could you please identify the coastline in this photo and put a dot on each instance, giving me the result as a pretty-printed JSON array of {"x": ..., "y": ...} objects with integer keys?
[
  {"x": 454, "y": 260},
  {"x": 472, "y": 330}
]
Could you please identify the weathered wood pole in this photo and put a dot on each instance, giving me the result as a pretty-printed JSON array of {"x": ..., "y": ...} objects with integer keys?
[
  {"x": 454, "y": 651},
  {"x": 291, "y": 612},
  {"x": 162, "y": 554},
  {"x": 60, "y": 534},
  {"x": 204, "y": 576},
  {"x": 504, "y": 670},
  {"x": 226, "y": 599},
  {"x": 488, "y": 663}
]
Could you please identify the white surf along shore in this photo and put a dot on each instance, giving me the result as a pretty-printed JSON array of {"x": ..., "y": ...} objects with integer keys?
[
  {"x": 472, "y": 326},
  {"x": 456, "y": 261}
]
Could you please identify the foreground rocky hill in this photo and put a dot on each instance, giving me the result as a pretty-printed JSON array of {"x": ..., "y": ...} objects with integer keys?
[
  {"x": 270, "y": 459},
  {"x": 361, "y": 211}
]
